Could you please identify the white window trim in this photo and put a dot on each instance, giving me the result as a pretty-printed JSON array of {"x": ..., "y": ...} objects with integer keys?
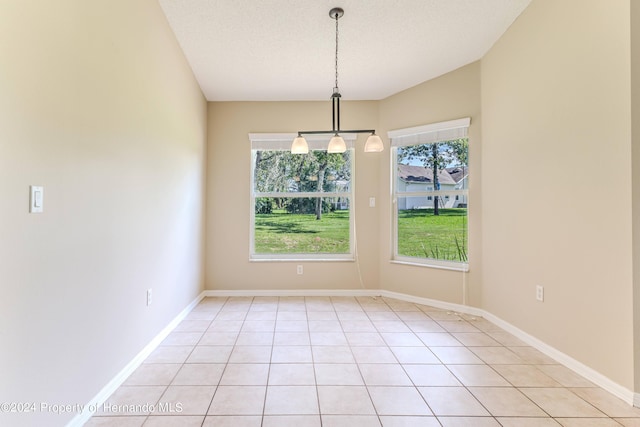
[
  {"x": 431, "y": 263},
  {"x": 282, "y": 141},
  {"x": 426, "y": 134}
]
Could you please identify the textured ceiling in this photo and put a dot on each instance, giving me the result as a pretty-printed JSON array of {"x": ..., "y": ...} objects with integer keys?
[{"x": 243, "y": 50}]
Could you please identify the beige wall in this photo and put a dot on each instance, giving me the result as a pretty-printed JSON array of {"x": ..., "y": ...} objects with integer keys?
[
  {"x": 557, "y": 144},
  {"x": 635, "y": 128},
  {"x": 452, "y": 96},
  {"x": 98, "y": 106},
  {"x": 228, "y": 204}
]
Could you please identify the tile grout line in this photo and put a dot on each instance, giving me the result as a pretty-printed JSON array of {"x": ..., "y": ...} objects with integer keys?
[
  {"x": 225, "y": 365},
  {"x": 528, "y": 359},
  {"x": 358, "y": 364},
  {"x": 313, "y": 365}
]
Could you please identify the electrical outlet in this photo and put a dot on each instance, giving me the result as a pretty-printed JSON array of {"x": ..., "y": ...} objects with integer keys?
[
  {"x": 149, "y": 297},
  {"x": 299, "y": 269},
  {"x": 540, "y": 293}
]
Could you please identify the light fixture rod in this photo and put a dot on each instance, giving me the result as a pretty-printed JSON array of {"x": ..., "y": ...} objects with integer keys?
[
  {"x": 338, "y": 102},
  {"x": 333, "y": 113},
  {"x": 336, "y": 107},
  {"x": 328, "y": 132}
]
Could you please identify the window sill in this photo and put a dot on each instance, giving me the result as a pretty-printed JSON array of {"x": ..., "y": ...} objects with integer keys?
[
  {"x": 293, "y": 259},
  {"x": 462, "y": 267}
]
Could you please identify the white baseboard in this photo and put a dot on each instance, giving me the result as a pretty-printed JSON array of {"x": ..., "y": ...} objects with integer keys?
[
  {"x": 345, "y": 293},
  {"x": 571, "y": 363},
  {"x": 597, "y": 378},
  {"x": 590, "y": 374},
  {"x": 295, "y": 293},
  {"x": 102, "y": 396},
  {"x": 434, "y": 303}
]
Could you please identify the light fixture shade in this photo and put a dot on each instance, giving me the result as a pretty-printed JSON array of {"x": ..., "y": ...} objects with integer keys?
[
  {"x": 337, "y": 145},
  {"x": 374, "y": 144},
  {"x": 299, "y": 145}
]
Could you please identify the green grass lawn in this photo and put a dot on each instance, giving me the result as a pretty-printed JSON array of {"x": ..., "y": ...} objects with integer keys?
[
  {"x": 285, "y": 233},
  {"x": 421, "y": 234}
]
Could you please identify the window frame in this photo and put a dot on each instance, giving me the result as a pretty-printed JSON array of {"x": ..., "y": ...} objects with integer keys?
[
  {"x": 282, "y": 142},
  {"x": 426, "y": 134}
]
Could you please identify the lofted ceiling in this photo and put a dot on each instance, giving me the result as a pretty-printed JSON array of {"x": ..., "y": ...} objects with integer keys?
[{"x": 277, "y": 50}]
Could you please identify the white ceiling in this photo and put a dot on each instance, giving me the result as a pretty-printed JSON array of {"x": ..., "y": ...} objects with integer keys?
[{"x": 259, "y": 50}]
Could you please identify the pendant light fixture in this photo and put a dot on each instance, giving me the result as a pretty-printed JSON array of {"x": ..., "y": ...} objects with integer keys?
[{"x": 336, "y": 144}]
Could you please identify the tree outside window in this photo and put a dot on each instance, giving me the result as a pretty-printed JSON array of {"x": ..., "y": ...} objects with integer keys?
[{"x": 301, "y": 204}]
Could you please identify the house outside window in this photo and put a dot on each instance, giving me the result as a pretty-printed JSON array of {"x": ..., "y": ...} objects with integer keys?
[
  {"x": 301, "y": 203},
  {"x": 430, "y": 194}
]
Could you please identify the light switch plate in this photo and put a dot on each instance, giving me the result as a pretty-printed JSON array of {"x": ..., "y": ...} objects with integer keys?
[{"x": 36, "y": 200}]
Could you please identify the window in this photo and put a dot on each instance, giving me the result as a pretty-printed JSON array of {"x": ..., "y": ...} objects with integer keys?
[
  {"x": 301, "y": 203},
  {"x": 430, "y": 194}
]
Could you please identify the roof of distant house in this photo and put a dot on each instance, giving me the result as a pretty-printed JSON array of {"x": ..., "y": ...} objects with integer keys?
[
  {"x": 410, "y": 173},
  {"x": 458, "y": 172}
]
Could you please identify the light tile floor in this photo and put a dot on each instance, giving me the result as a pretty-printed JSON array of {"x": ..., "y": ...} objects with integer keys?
[{"x": 321, "y": 361}]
